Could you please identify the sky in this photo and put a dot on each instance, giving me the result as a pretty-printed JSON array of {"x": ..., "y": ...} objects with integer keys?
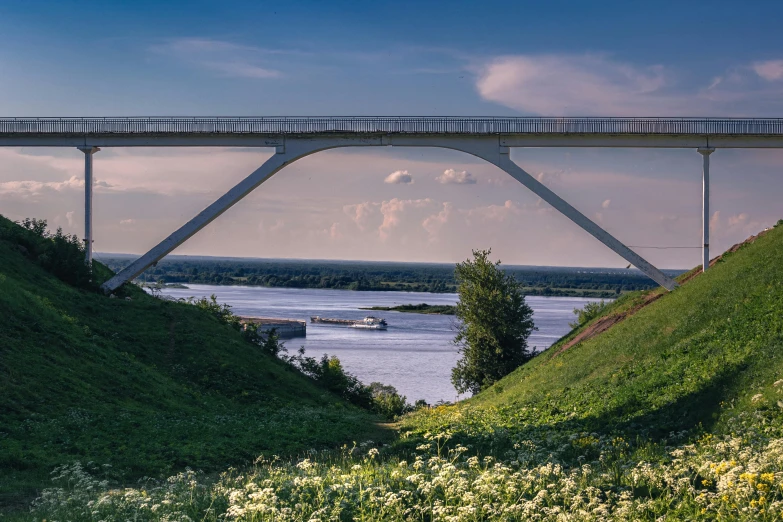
[{"x": 421, "y": 58}]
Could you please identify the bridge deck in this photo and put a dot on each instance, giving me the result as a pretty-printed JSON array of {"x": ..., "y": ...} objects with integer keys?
[{"x": 472, "y": 126}]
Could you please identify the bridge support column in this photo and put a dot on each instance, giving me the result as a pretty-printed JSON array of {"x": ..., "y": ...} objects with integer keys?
[
  {"x": 88, "y": 185},
  {"x": 705, "y": 223}
]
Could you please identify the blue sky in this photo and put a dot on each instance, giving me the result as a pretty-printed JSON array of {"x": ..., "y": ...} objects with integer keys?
[{"x": 395, "y": 58}]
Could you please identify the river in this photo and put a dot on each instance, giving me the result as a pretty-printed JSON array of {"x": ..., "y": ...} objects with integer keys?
[{"x": 415, "y": 355}]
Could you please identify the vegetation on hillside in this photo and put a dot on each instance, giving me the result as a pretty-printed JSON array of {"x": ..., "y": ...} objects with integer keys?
[
  {"x": 675, "y": 413},
  {"x": 145, "y": 385},
  {"x": 354, "y": 275}
]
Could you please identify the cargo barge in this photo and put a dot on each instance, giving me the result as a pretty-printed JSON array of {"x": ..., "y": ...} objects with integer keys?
[
  {"x": 368, "y": 323},
  {"x": 319, "y": 319},
  {"x": 284, "y": 328}
]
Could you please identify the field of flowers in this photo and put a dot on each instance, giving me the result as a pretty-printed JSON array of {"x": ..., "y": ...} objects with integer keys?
[{"x": 453, "y": 473}]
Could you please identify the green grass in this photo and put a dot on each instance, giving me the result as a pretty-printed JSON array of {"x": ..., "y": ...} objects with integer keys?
[
  {"x": 717, "y": 340},
  {"x": 145, "y": 385},
  {"x": 675, "y": 413}
]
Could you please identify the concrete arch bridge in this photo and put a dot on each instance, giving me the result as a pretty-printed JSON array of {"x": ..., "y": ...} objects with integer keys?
[{"x": 296, "y": 137}]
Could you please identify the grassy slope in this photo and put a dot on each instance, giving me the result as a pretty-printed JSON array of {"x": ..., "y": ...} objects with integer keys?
[
  {"x": 717, "y": 339},
  {"x": 146, "y": 385}
]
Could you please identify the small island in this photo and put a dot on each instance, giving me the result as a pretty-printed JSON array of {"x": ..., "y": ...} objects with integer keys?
[{"x": 422, "y": 308}]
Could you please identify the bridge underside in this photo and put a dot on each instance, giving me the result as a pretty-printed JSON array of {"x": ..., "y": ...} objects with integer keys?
[
  {"x": 296, "y": 137},
  {"x": 668, "y": 141},
  {"x": 292, "y": 149}
]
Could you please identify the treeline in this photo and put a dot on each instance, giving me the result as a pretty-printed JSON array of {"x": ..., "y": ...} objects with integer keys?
[
  {"x": 355, "y": 275},
  {"x": 422, "y": 308}
]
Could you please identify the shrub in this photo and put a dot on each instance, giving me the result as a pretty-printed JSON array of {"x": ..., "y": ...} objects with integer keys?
[
  {"x": 222, "y": 312},
  {"x": 329, "y": 373},
  {"x": 387, "y": 401},
  {"x": 58, "y": 253},
  {"x": 588, "y": 313}
]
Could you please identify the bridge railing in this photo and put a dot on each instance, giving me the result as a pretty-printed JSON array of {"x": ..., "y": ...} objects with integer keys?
[{"x": 391, "y": 125}]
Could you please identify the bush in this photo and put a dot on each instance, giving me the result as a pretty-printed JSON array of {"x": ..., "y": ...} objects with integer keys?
[
  {"x": 58, "y": 253},
  {"x": 588, "y": 313},
  {"x": 330, "y": 374},
  {"x": 387, "y": 401},
  {"x": 222, "y": 312}
]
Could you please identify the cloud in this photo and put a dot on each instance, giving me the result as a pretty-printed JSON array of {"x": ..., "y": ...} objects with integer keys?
[
  {"x": 597, "y": 85},
  {"x": 399, "y": 177},
  {"x": 739, "y": 219},
  {"x": 496, "y": 213},
  {"x": 770, "y": 70},
  {"x": 606, "y": 203},
  {"x": 392, "y": 211},
  {"x": 334, "y": 231},
  {"x": 715, "y": 220},
  {"x": 36, "y": 188},
  {"x": 361, "y": 213},
  {"x": 69, "y": 217},
  {"x": 127, "y": 221},
  {"x": 457, "y": 177},
  {"x": 550, "y": 178},
  {"x": 576, "y": 84},
  {"x": 432, "y": 224},
  {"x": 224, "y": 58},
  {"x": 238, "y": 69}
]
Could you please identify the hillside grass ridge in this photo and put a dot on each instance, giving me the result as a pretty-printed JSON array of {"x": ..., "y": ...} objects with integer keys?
[
  {"x": 674, "y": 413},
  {"x": 145, "y": 385}
]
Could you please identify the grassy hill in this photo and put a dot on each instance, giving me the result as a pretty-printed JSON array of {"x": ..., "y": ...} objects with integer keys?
[
  {"x": 145, "y": 385},
  {"x": 670, "y": 365},
  {"x": 675, "y": 412}
]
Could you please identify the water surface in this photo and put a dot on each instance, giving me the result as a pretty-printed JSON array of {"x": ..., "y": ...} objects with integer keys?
[{"x": 415, "y": 355}]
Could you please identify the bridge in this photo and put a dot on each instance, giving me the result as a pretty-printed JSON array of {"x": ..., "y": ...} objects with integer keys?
[{"x": 296, "y": 137}]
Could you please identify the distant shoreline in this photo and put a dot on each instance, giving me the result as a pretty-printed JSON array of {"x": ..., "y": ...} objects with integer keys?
[
  {"x": 422, "y": 308},
  {"x": 602, "y": 283}
]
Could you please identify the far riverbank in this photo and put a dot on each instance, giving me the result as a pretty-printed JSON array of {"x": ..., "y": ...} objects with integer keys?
[{"x": 422, "y": 308}]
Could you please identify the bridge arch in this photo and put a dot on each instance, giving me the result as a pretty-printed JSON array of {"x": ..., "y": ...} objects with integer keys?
[{"x": 487, "y": 148}]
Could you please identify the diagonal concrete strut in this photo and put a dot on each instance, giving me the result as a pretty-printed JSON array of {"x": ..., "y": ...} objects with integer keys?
[
  {"x": 282, "y": 158},
  {"x": 503, "y": 161},
  {"x": 486, "y": 148}
]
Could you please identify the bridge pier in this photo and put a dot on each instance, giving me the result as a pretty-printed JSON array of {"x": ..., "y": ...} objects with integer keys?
[
  {"x": 705, "y": 225},
  {"x": 88, "y": 185}
]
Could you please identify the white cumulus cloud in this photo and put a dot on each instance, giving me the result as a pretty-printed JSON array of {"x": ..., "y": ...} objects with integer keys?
[
  {"x": 399, "y": 177},
  {"x": 457, "y": 177},
  {"x": 770, "y": 70},
  {"x": 392, "y": 211}
]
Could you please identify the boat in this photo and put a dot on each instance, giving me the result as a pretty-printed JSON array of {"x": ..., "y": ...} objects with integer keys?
[
  {"x": 319, "y": 319},
  {"x": 370, "y": 323}
]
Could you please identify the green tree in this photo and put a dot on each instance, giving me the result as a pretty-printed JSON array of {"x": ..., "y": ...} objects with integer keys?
[{"x": 494, "y": 324}]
